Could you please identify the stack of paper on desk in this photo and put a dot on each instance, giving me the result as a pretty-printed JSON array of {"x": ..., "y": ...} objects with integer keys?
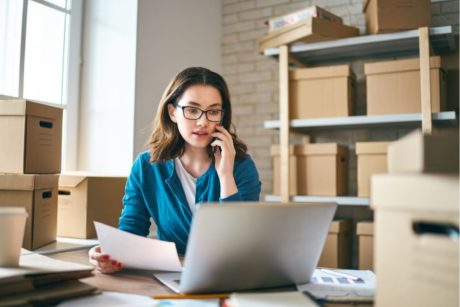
[
  {"x": 42, "y": 280},
  {"x": 341, "y": 285}
]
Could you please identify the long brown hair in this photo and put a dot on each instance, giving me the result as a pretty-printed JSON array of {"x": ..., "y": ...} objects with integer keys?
[{"x": 165, "y": 142}]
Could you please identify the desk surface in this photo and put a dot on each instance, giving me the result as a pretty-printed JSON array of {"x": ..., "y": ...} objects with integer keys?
[{"x": 133, "y": 281}]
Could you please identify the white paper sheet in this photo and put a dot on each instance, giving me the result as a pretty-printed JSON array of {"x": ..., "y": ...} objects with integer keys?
[{"x": 138, "y": 252}]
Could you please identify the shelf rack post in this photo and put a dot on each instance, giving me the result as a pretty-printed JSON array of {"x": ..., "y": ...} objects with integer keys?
[
  {"x": 425, "y": 79},
  {"x": 284, "y": 122}
]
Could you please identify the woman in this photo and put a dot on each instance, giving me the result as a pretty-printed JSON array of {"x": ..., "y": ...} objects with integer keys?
[{"x": 193, "y": 157}]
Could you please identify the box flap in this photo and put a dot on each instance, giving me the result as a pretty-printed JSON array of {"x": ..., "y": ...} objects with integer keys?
[
  {"x": 320, "y": 72},
  {"x": 372, "y": 147},
  {"x": 321, "y": 149},
  {"x": 27, "y": 182},
  {"x": 365, "y": 228},
  {"x": 340, "y": 226},
  {"x": 18, "y": 106},
  {"x": 415, "y": 192},
  {"x": 70, "y": 181},
  {"x": 399, "y": 66}
]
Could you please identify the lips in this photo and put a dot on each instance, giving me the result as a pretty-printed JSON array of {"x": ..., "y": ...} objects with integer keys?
[{"x": 200, "y": 133}]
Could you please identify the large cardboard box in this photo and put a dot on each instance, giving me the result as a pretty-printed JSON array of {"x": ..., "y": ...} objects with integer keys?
[
  {"x": 337, "y": 248},
  {"x": 372, "y": 159},
  {"x": 279, "y": 22},
  {"x": 308, "y": 30},
  {"x": 321, "y": 92},
  {"x": 365, "y": 232},
  {"x": 416, "y": 239},
  {"x": 396, "y": 15},
  {"x": 417, "y": 152},
  {"x": 38, "y": 195},
  {"x": 322, "y": 169},
  {"x": 85, "y": 198},
  {"x": 31, "y": 134},
  {"x": 393, "y": 87},
  {"x": 275, "y": 153}
]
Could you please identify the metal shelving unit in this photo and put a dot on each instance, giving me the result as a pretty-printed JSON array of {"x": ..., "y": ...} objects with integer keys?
[
  {"x": 364, "y": 121},
  {"x": 399, "y": 44}
]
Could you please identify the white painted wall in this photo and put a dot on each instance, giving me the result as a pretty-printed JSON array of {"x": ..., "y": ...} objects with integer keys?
[
  {"x": 131, "y": 49},
  {"x": 107, "y": 86},
  {"x": 172, "y": 35}
]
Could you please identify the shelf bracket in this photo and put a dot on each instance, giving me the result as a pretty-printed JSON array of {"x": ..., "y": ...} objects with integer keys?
[
  {"x": 425, "y": 79},
  {"x": 284, "y": 122}
]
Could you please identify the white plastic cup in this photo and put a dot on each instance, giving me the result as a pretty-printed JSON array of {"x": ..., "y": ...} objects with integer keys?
[{"x": 12, "y": 226}]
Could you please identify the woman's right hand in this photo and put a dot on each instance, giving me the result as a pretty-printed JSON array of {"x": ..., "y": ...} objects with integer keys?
[{"x": 102, "y": 261}]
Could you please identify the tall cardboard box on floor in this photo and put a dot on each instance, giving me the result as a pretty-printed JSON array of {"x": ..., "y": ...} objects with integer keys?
[
  {"x": 337, "y": 248},
  {"x": 38, "y": 195},
  {"x": 393, "y": 87},
  {"x": 396, "y": 15},
  {"x": 416, "y": 239},
  {"x": 322, "y": 169},
  {"x": 84, "y": 198},
  {"x": 321, "y": 92},
  {"x": 372, "y": 159},
  {"x": 275, "y": 153},
  {"x": 31, "y": 133}
]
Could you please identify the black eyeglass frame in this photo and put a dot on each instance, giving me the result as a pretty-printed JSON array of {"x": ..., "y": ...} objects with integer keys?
[{"x": 202, "y": 112}]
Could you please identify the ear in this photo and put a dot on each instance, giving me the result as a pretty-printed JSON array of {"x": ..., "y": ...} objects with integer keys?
[{"x": 172, "y": 112}]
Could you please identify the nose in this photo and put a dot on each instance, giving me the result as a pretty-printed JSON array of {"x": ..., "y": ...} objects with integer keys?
[{"x": 203, "y": 120}]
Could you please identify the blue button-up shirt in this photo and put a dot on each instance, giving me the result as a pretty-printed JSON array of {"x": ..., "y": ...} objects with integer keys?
[{"x": 154, "y": 190}]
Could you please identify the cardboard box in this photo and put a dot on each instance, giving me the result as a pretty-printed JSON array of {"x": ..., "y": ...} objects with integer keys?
[
  {"x": 337, "y": 248},
  {"x": 393, "y": 87},
  {"x": 372, "y": 159},
  {"x": 416, "y": 239},
  {"x": 278, "y": 22},
  {"x": 33, "y": 133},
  {"x": 275, "y": 153},
  {"x": 322, "y": 169},
  {"x": 396, "y": 15},
  {"x": 84, "y": 198},
  {"x": 425, "y": 153},
  {"x": 321, "y": 92},
  {"x": 308, "y": 31},
  {"x": 365, "y": 232},
  {"x": 38, "y": 195}
]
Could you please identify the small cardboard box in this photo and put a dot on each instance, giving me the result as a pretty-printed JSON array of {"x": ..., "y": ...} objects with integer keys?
[
  {"x": 365, "y": 232},
  {"x": 38, "y": 195},
  {"x": 33, "y": 133},
  {"x": 416, "y": 239},
  {"x": 372, "y": 159},
  {"x": 322, "y": 169},
  {"x": 275, "y": 153},
  {"x": 425, "y": 153},
  {"x": 337, "y": 248},
  {"x": 278, "y": 22},
  {"x": 321, "y": 92},
  {"x": 308, "y": 30},
  {"x": 396, "y": 15},
  {"x": 393, "y": 87},
  {"x": 84, "y": 198}
]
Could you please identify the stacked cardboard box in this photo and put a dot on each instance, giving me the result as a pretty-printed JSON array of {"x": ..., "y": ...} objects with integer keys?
[
  {"x": 337, "y": 248},
  {"x": 417, "y": 222},
  {"x": 365, "y": 232},
  {"x": 372, "y": 159},
  {"x": 30, "y": 163}
]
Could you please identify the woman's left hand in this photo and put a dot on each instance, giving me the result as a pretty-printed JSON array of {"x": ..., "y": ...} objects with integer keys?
[{"x": 224, "y": 160}]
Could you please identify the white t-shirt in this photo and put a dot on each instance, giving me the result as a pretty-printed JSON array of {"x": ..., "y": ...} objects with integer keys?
[{"x": 188, "y": 183}]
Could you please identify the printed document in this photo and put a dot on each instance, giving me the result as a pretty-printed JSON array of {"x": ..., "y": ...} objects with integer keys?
[{"x": 138, "y": 252}]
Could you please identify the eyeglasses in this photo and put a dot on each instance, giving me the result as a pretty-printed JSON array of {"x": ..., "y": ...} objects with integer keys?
[{"x": 213, "y": 115}]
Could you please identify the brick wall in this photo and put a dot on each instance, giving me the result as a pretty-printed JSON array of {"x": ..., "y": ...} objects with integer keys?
[{"x": 253, "y": 78}]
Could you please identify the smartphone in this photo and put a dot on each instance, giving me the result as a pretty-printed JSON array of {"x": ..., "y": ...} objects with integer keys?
[{"x": 215, "y": 148}]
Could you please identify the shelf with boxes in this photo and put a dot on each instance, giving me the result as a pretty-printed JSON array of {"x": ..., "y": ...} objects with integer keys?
[{"x": 390, "y": 102}]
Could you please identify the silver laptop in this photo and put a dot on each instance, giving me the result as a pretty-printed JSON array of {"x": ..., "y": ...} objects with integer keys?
[{"x": 243, "y": 246}]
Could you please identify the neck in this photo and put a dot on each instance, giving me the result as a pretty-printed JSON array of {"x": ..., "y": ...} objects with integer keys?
[{"x": 195, "y": 161}]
